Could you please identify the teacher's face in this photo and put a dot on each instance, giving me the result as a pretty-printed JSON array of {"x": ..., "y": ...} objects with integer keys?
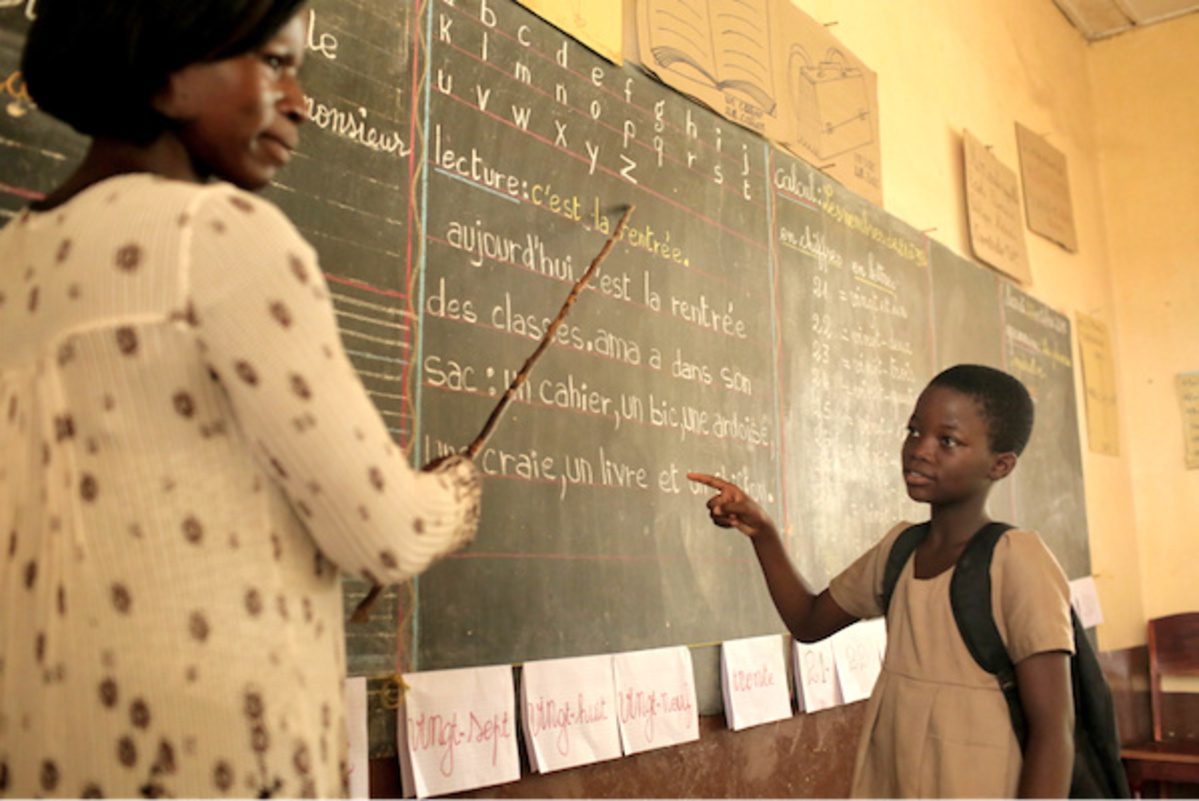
[{"x": 239, "y": 118}]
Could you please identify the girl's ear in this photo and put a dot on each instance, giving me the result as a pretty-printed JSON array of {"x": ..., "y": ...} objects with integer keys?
[{"x": 1004, "y": 464}]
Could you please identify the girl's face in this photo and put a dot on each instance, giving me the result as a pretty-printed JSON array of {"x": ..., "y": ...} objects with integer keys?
[
  {"x": 946, "y": 454},
  {"x": 239, "y": 118}
]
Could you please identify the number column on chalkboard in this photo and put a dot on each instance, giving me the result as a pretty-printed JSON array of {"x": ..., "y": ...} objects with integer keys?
[{"x": 855, "y": 351}]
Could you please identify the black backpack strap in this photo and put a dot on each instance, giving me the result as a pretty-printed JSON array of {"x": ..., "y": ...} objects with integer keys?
[
  {"x": 1098, "y": 771},
  {"x": 970, "y": 596},
  {"x": 901, "y": 551}
]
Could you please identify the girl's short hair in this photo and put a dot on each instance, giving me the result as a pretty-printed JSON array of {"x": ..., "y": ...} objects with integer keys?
[
  {"x": 1004, "y": 400},
  {"x": 97, "y": 64}
]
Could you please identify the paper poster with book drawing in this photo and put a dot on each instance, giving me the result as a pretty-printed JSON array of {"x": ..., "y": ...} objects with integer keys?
[
  {"x": 717, "y": 51},
  {"x": 830, "y": 103}
]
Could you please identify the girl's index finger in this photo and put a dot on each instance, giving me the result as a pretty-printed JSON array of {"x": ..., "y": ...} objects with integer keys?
[{"x": 716, "y": 483}]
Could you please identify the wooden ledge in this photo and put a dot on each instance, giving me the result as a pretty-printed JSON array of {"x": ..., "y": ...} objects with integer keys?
[{"x": 1184, "y": 751}]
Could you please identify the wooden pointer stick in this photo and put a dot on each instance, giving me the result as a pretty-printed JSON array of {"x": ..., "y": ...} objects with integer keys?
[
  {"x": 363, "y": 610},
  {"x": 473, "y": 449}
]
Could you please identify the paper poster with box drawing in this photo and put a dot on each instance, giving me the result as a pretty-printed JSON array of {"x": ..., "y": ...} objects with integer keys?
[
  {"x": 830, "y": 111},
  {"x": 832, "y": 107}
]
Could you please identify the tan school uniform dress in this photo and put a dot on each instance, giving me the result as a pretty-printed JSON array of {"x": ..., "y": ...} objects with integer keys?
[
  {"x": 937, "y": 724},
  {"x": 188, "y": 458}
]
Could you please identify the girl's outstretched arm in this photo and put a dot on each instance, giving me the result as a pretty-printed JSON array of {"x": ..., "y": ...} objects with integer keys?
[
  {"x": 1043, "y": 680},
  {"x": 807, "y": 615}
]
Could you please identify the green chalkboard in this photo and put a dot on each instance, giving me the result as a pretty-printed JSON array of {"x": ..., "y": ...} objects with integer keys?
[{"x": 591, "y": 539}]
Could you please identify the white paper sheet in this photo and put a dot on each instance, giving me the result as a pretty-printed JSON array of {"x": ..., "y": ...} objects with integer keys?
[
  {"x": 569, "y": 708},
  {"x": 855, "y": 651},
  {"x": 754, "y": 680},
  {"x": 358, "y": 757},
  {"x": 655, "y": 698},
  {"x": 1084, "y": 597},
  {"x": 877, "y": 626},
  {"x": 815, "y": 676},
  {"x": 457, "y": 730}
]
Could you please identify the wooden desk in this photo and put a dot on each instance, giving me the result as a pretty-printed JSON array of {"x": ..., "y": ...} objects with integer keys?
[{"x": 1174, "y": 762}]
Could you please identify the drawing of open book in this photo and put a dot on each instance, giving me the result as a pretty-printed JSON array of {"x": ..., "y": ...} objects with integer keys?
[
  {"x": 723, "y": 44},
  {"x": 832, "y": 102}
]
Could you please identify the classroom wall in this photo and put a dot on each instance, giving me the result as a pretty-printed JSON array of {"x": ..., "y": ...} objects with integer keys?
[
  {"x": 944, "y": 66},
  {"x": 1147, "y": 122}
]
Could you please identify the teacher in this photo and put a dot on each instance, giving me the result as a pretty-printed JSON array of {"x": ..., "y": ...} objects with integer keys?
[{"x": 189, "y": 456}]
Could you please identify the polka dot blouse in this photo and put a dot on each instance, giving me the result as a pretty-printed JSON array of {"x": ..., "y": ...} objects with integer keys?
[{"x": 188, "y": 460}]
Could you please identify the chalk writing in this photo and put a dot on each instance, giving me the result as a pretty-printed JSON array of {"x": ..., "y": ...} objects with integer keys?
[
  {"x": 854, "y": 285},
  {"x": 1041, "y": 314},
  {"x": 856, "y": 221},
  {"x": 354, "y": 126},
  {"x": 321, "y": 42},
  {"x": 534, "y": 147}
]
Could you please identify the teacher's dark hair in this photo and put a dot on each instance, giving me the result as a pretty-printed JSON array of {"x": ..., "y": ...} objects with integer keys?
[{"x": 97, "y": 64}]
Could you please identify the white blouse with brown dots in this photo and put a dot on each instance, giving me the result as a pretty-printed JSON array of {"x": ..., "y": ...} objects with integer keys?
[{"x": 188, "y": 456}]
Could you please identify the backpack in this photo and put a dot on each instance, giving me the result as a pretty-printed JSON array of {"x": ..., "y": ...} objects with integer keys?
[{"x": 1098, "y": 771}]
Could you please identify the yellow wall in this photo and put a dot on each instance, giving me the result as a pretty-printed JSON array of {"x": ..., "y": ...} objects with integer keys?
[
  {"x": 1147, "y": 120},
  {"x": 947, "y": 65}
]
